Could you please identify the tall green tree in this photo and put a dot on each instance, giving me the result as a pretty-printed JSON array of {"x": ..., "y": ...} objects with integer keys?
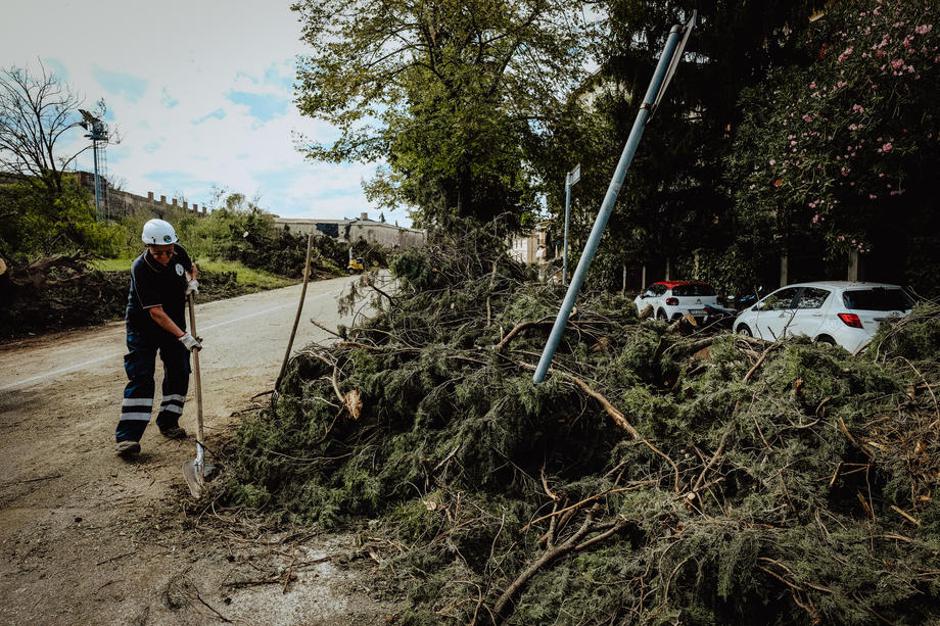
[
  {"x": 675, "y": 200},
  {"x": 446, "y": 93}
]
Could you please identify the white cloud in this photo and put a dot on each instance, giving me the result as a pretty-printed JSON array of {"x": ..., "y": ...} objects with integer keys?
[{"x": 182, "y": 62}]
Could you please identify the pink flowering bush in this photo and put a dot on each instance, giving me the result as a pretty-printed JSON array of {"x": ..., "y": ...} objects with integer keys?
[{"x": 824, "y": 146}]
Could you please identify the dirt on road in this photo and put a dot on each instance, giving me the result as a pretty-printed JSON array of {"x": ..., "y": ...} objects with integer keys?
[{"x": 87, "y": 538}]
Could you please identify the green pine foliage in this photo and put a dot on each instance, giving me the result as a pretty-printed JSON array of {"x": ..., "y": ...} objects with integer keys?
[{"x": 781, "y": 484}]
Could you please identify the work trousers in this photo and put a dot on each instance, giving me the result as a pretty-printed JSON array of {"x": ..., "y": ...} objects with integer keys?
[{"x": 139, "y": 363}]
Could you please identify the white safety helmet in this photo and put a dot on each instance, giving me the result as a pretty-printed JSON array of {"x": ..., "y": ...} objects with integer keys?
[{"x": 158, "y": 232}]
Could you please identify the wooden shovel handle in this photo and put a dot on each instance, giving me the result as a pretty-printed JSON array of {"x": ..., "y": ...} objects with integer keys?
[{"x": 192, "y": 324}]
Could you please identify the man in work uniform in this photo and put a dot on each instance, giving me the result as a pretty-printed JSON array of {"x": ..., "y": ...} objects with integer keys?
[{"x": 161, "y": 280}]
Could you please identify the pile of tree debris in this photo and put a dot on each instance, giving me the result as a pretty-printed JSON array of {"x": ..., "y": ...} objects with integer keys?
[
  {"x": 65, "y": 291},
  {"x": 656, "y": 477}
]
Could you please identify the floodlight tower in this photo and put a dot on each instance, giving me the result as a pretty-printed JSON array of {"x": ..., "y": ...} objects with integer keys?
[{"x": 98, "y": 133}]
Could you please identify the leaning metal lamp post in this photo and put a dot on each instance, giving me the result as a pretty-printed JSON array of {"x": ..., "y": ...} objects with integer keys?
[{"x": 672, "y": 53}]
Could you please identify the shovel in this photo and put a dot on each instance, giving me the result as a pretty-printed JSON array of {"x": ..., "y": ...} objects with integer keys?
[{"x": 195, "y": 471}]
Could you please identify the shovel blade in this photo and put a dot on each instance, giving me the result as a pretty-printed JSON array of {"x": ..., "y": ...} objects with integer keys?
[{"x": 194, "y": 478}]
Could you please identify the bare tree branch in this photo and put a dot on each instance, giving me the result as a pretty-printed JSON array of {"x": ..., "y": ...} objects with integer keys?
[{"x": 35, "y": 113}]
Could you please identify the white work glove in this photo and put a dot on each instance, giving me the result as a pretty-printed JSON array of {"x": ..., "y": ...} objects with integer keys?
[
  {"x": 192, "y": 287},
  {"x": 190, "y": 342}
]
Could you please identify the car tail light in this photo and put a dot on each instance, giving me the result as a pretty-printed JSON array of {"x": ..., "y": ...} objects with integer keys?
[
  {"x": 672, "y": 301},
  {"x": 851, "y": 319}
]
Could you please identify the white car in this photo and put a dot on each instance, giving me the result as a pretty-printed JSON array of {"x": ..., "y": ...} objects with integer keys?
[
  {"x": 835, "y": 312},
  {"x": 671, "y": 299}
]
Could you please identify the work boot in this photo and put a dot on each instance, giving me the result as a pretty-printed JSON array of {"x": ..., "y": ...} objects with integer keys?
[
  {"x": 173, "y": 432},
  {"x": 127, "y": 449}
]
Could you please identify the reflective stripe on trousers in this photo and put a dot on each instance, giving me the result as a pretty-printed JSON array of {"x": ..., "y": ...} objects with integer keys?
[{"x": 139, "y": 364}]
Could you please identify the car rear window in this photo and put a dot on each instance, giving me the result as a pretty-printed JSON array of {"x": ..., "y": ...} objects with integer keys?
[
  {"x": 877, "y": 299},
  {"x": 695, "y": 289}
]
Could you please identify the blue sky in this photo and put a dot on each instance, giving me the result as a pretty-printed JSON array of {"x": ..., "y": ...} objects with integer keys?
[{"x": 202, "y": 97}]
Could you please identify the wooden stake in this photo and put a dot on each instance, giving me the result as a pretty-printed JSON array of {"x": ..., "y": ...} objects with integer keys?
[{"x": 300, "y": 307}]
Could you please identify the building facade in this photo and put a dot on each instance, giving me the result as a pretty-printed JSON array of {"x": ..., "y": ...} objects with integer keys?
[{"x": 360, "y": 229}]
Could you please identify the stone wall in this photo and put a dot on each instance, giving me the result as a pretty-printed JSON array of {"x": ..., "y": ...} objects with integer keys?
[{"x": 119, "y": 203}]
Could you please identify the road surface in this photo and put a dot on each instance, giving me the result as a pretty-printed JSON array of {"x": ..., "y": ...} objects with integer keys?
[{"x": 87, "y": 538}]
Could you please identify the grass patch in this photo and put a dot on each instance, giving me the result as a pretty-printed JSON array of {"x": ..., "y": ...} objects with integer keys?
[{"x": 244, "y": 276}]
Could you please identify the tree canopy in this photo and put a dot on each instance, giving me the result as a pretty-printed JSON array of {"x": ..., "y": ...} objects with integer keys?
[
  {"x": 674, "y": 200},
  {"x": 444, "y": 92}
]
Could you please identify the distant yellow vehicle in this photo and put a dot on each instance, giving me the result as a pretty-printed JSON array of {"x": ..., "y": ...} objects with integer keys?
[{"x": 356, "y": 265}]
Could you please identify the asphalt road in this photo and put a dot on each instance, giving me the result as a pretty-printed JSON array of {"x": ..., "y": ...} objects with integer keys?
[
  {"x": 88, "y": 538},
  {"x": 249, "y": 331}
]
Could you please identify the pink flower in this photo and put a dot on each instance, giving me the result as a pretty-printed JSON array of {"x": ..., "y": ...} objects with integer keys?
[
  {"x": 812, "y": 85},
  {"x": 888, "y": 147},
  {"x": 845, "y": 171},
  {"x": 807, "y": 118},
  {"x": 772, "y": 162},
  {"x": 857, "y": 108},
  {"x": 792, "y": 142},
  {"x": 853, "y": 127},
  {"x": 816, "y": 219},
  {"x": 872, "y": 196},
  {"x": 846, "y": 54},
  {"x": 923, "y": 29},
  {"x": 897, "y": 63}
]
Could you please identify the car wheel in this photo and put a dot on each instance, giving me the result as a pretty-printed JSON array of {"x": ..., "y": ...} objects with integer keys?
[
  {"x": 661, "y": 316},
  {"x": 743, "y": 329},
  {"x": 350, "y": 271},
  {"x": 826, "y": 340}
]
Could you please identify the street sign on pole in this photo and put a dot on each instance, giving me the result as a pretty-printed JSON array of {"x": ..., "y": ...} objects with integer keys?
[{"x": 570, "y": 179}]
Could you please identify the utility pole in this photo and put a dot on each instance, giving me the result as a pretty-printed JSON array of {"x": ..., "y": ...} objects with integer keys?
[{"x": 571, "y": 178}]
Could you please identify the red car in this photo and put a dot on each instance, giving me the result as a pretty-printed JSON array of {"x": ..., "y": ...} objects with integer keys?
[{"x": 671, "y": 299}]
